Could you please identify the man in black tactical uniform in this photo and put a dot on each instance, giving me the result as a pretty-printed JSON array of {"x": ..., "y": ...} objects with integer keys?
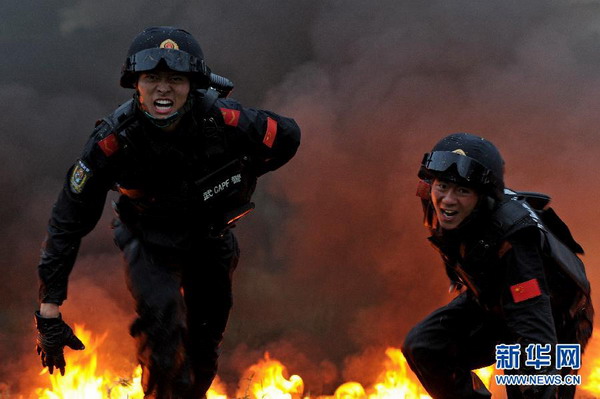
[
  {"x": 185, "y": 161},
  {"x": 512, "y": 260}
]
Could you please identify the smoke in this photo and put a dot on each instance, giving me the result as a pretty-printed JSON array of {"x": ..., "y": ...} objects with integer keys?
[
  {"x": 335, "y": 265},
  {"x": 380, "y": 91}
]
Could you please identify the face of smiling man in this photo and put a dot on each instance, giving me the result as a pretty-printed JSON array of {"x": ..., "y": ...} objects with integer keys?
[
  {"x": 162, "y": 92},
  {"x": 452, "y": 203}
]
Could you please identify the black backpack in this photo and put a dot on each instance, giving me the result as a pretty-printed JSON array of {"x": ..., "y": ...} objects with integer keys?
[{"x": 560, "y": 250}]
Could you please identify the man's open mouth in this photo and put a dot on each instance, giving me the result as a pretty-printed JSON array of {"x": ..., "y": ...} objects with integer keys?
[
  {"x": 163, "y": 106},
  {"x": 448, "y": 212}
]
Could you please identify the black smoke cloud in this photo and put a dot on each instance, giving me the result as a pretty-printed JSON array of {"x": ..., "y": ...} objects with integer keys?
[{"x": 335, "y": 265}]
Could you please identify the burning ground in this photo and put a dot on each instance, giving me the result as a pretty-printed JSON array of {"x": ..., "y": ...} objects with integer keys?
[{"x": 335, "y": 265}]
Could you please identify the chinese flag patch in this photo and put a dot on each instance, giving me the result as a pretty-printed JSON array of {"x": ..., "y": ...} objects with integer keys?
[
  {"x": 230, "y": 116},
  {"x": 109, "y": 145},
  {"x": 525, "y": 290},
  {"x": 270, "y": 133}
]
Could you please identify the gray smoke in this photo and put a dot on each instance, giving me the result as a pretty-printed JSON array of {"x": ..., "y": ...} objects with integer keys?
[{"x": 335, "y": 264}]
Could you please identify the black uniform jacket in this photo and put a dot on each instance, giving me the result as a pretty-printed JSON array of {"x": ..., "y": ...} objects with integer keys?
[
  {"x": 173, "y": 185},
  {"x": 510, "y": 270}
]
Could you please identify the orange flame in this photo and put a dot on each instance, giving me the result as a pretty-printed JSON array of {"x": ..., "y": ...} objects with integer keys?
[
  {"x": 590, "y": 370},
  {"x": 217, "y": 390},
  {"x": 82, "y": 381},
  {"x": 394, "y": 382},
  {"x": 264, "y": 380},
  {"x": 350, "y": 390}
]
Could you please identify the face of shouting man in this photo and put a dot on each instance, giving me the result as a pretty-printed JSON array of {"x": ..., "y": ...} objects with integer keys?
[
  {"x": 162, "y": 92},
  {"x": 453, "y": 203}
]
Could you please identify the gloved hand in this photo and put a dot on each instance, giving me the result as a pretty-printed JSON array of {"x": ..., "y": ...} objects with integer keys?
[{"x": 53, "y": 335}]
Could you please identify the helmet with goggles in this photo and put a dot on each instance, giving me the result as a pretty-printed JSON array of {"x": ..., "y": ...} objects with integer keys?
[
  {"x": 176, "y": 48},
  {"x": 468, "y": 160}
]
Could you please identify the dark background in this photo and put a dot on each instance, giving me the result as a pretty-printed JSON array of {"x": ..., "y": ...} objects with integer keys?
[{"x": 335, "y": 264}]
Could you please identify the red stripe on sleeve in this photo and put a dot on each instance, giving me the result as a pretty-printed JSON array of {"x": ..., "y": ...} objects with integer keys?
[
  {"x": 270, "y": 133},
  {"x": 109, "y": 145},
  {"x": 230, "y": 116}
]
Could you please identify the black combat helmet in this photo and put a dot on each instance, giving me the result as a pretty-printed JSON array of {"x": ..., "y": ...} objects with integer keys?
[
  {"x": 466, "y": 159},
  {"x": 175, "y": 47}
]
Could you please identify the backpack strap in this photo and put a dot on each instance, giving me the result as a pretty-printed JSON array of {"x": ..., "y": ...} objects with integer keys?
[
  {"x": 513, "y": 215},
  {"x": 120, "y": 117},
  {"x": 208, "y": 99}
]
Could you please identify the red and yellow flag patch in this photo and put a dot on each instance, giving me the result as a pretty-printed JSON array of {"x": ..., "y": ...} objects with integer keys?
[{"x": 525, "y": 290}]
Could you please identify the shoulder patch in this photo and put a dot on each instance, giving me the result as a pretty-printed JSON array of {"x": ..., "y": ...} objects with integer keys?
[
  {"x": 230, "y": 116},
  {"x": 270, "y": 133},
  {"x": 525, "y": 290},
  {"x": 109, "y": 145},
  {"x": 79, "y": 176}
]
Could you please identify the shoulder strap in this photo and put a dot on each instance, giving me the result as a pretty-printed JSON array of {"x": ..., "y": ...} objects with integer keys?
[
  {"x": 513, "y": 215},
  {"x": 208, "y": 99},
  {"x": 120, "y": 117}
]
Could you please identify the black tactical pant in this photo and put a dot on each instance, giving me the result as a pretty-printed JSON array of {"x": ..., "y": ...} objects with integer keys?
[
  {"x": 455, "y": 339},
  {"x": 183, "y": 299}
]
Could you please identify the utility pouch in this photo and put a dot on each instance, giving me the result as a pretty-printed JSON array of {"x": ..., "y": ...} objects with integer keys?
[
  {"x": 226, "y": 192},
  {"x": 222, "y": 184}
]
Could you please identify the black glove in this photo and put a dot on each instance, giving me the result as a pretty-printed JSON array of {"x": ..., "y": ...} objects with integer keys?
[{"x": 53, "y": 335}]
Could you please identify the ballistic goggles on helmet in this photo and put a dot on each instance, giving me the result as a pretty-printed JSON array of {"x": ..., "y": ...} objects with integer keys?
[
  {"x": 436, "y": 163},
  {"x": 176, "y": 60}
]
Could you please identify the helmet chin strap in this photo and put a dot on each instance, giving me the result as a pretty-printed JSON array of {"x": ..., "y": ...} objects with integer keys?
[{"x": 163, "y": 122}]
